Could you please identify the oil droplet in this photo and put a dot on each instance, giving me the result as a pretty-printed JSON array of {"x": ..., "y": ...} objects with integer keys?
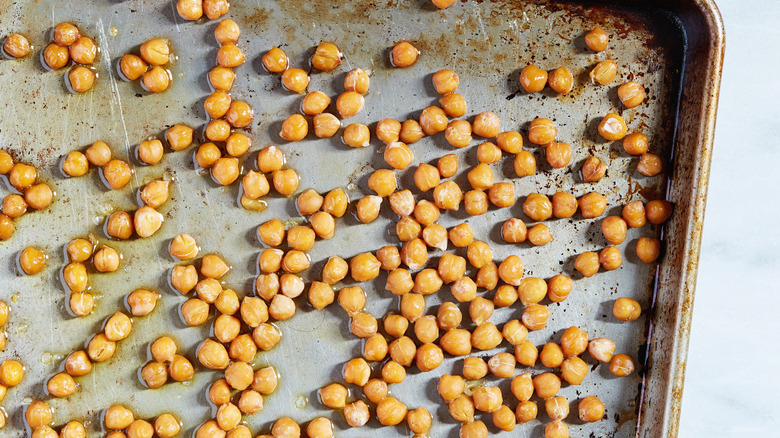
[
  {"x": 351, "y": 186},
  {"x": 113, "y": 31},
  {"x": 15, "y": 297},
  {"x": 46, "y": 358},
  {"x": 301, "y": 402},
  {"x": 22, "y": 328},
  {"x": 27, "y": 400}
]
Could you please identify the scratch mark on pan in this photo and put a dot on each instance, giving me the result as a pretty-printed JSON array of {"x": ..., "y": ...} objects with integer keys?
[
  {"x": 175, "y": 17},
  {"x": 106, "y": 60}
]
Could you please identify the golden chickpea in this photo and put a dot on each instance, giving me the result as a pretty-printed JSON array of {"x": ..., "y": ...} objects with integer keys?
[
  {"x": 321, "y": 295},
  {"x": 217, "y": 104},
  {"x": 502, "y": 365},
  {"x": 320, "y": 427},
  {"x": 559, "y": 287},
  {"x": 412, "y": 306},
  {"x": 116, "y": 173},
  {"x": 75, "y": 277},
  {"x": 448, "y": 195},
  {"x": 458, "y": 133},
  {"x": 574, "y": 370},
  {"x": 226, "y": 328},
  {"x": 230, "y": 56},
  {"x": 81, "y": 79},
  {"x": 140, "y": 429},
  {"x": 396, "y": 325},
  {"x": 590, "y": 409},
  {"x": 55, "y": 56},
  {"x": 74, "y": 429},
  {"x": 118, "y": 327},
  {"x": 526, "y": 411},
  {"x": 367, "y": 208},
  {"x": 511, "y": 270},
  {"x": 479, "y": 254},
  {"x": 276, "y": 61},
  {"x": 433, "y": 120},
  {"x": 487, "y": 124},
  {"x": 295, "y": 80},
  {"x": 556, "y": 429},
  {"x": 281, "y": 308},
  {"x": 410, "y": 132},
  {"x": 166, "y": 426},
  {"x": 38, "y": 414},
  {"x": 402, "y": 350},
  {"x": 357, "y": 135},
  {"x": 250, "y": 402},
  {"x": 542, "y": 131},
  {"x": 649, "y": 164},
  {"x": 453, "y": 104},
  {"x": 504, "y": 418},
  {"x": 621, "y": 365},
  {"x": 78, "y": 364},
  {"x": 227, "y": 302},
  {"x": 6, "y": 162},
  {"x": 190, "y": 9},
  {"x": 253, "y": 311},
  {"x": 156, "y": 79},
  {"x": 119, "y": 225},
  {"x": 219, "y": 392},
  {"x": 658, "y": 211},
  {"x": 375, "y": 348},
  {"x": 540, "y": 234},
  {"x": 42, "y": 432},
  {"x": 228, "y": 416},
  {"x": 357, "y": 414},
  {"x": 147, "y": 221},
  {"x": 612, "y": 127},
  {"x": 451, "y": 387},
  {"x": 486, "y": 336},
  {"x": 227, "y": 31},
  {"x": 487, "y": 398},
  {"x": 403, "y": 55},
  {"x": 357, "y": 371},
  {"x": 155, "y": 193},
  {"x": 32, "y": 261},
  {"x": 597, "y": 39},
  {"x": 150, "y": 151},
  {"x": 587, "y": 264},
  {"x": 648, "y": 249},
  {"x": 533, "y": 79},
  {"x": 266, "y": 336},
  {"x": 14, "y": 206},
  {"x": 83, "y": 51},
  {"x": 349, "y": 103},
  {"x": 476, "y": 429},
  {"x": 75, "y": 164},
  {"x": 265, "y": 380},
  {"x": 207, "y": 154},
  {"x": 610, "y": 258},
  {"x": 17, "y": 46},
  {"x": 481, "y": 177},
  {"x": 390, "y": 411},
  {"x": 626, "y": 309},
  {"x": 435, "y": 236},
  {"x": 601, "y": 349},
  {"x": 221, "y": 78},
  {"x": 357, "y": 80},
  {"x": 551, "y": 355},
  {"x": 363, "y": 325},
  {"x": 239, "y": 115},
  {"x": 210, "y": 429},
  {"x": 631, "y": 94},
  {"x": 634, "y": 214},
  {"x": 635, "y": 143},
  {"x": 546, "y": 385},
  {"x": 456, "y": 342},
  {"x": 239, "y": 375},
  {"x": 326, "y": 57},
  {"x": 462, "y": 409},
  {"x": 194, "y": 312},
  {"x": 155, "y": 51},
  {"x": 100, "y": 348},
  {"x": 604, "y": 72},
  {"x": 558, "y": 155},
  {"x": 447, "y": 165},
  {"x": 294, "y": 128},
  {"x": 11, "y": 373},
  {"x": 445, "y": 81},
  {"x": 426, "y": 281},
  {"x": 443, "y": 4},
  {"x": 285, "y": 181},
  {"x": 592, "y": 205},
  {"x": 217, "y": 130},
  {"x": 364, "y": 267},
  {"x": 561, "y": 80},
  {"x": 154, "y": 374},
  {"x": 531, "y": 290},
  {"x": 535, "y": 317},
  {"x": 352, "y": 299},
  {"x": 449, "y": 316},
  {"x": 314, "y": 103},
  {"x": 80, "y": 303},
  {"x": 21, "y": 176}
]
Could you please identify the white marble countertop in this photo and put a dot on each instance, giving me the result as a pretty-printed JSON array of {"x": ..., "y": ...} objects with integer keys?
[{"x": 731, "y": 384}]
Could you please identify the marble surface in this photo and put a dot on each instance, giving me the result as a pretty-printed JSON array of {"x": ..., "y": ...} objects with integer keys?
[{"x": 731, "y": 385}]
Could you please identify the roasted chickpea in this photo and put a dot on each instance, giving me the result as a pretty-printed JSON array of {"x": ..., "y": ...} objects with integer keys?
[
  {"x": 356, "y": 414},
  {"x": 526, "y": 411},
  {"x": 535, "y": 317},
  {"x": 32, "y": 260},
  {"x": 546, "y": 385},
  {"x": 462, "y": 409},
  {"x": 285, "y": 181},
  {"x": 597, "y": 39},
  {"x": 390, "y": 411},
  {"x": 266, "y": 336},
  {"x": 39, "y": 196},
  {"x": 559, "y": 287},
  {"x": 349, "y": 103},
  {"x": 433, "y": 120},
  {"x": 540, "y": 234},
  {"x": 533, "y": 78},
  {"x": 357, "y": 135},
  {"x": 574, "y": 370},
  {"x": 451, "y": 387},
  {"x": 505, "y": 296},
  {"x": 514, "y": 231},
  {"x": 320, "y": 427},
  {"x": 356, "y": 80},
  {"x": 551, "y": 355},
  {"x": 419, "y": 420},
  {"x": 649, "y": 164},
  {"x": 116, "y": 173},
  {"x": 626, "y": 309},
  {"x": 475, "y": 202},
  {"x": 504, "y": 418},
  {"x": 556, "y": 429},
  {"x": 593, "y": 169},
  {"x": 207, "y": 154},
  {"x": 412, "y": 306},
  {"x": 621, "y": 365},
  {"x": 511, "y": 270},
  {"x": 227, "y": 31},
  {"x": 610, "y": 258},
  {"x": 448, "y": 195},
  {"x": 592, "y": 205},
  {"x": 239, "y": 115},
  {"x": 210, "y": 429},
  {"x": 604, "y": 72},
  {"x": 75, "y": 164},
  {"x": 100, "y": 349},
  {"x": 590, "y": 409},
  {"x": 150, "y": 151},
  {"x": 357, "y": 371},
  {"x": 487, "y": 276},
  {"x": 461, "y": 235},
  {"x": 487, "y": 398},
  {"x": 78, "y": 364},
  {"x": 221, "y": 78},
  {"x": 631, "y": 94},
  {"x": 74, "y": 275},
  {"x": 487, "y": 124},
  {"x": 17, "y": 46},
  {"x": 147, "y": 221},
  {"x": 154, "y": 374},
  {"x": 189, "y": 9},
  {"x": 403, "y": 55},
  {"x": 194, "y": 312},
  {"x": 542, "y": 131},
  {"x": 83, "y": 51},
  {"x": 456, "y": 342},
  {"x": 217, "y": 104},
  {"x": 502, "y": 365},
  {"x": 315, "y": 103},
  {"x": 453, "y": 104},
  {"x": 80, "y": 303},
  {"x": 21, "y": 176},
  {"x": 230, "y": 56},
  {"x": 74, "y": 429},
  {"x": 326, "y": 57},
  {"x": 276, "y": 61},
  {"x": 156, "y": 79},
  {"x": 326, "y": 125},
  {"x": 155, "y": 51},
  {"x": 228, "y": 416},
  {"x": 601, "y": 349},
  {"x": 118, "y": 327},
  {"x": 38, "y": 414},
  {"x": 635, "y": 143},
  {"x": 561, "y": 80},
  {"x": 55, "y": 56},
  {"x": 612, "y": 127},
  {"x": 166, "y": 426},
  {"x": 81, "y": 79},
  {"x": 294, "y": 128},
  {"x": 648, "y": 249},
  {"x": 458, "y": 133},
  {"x": 587, "y": 264},
  {"x": 486, "y": 336},
  {"x": 475, "y": 429},
  {"x": 614, "y": 229},
  {"x": 11, "y": 373}
]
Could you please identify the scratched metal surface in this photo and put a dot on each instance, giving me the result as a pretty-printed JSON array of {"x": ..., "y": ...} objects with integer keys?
[{"x": 486, "y": 43}]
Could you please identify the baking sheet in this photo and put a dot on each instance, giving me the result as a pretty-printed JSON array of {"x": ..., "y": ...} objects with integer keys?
[{"x": 487, "y": 43}]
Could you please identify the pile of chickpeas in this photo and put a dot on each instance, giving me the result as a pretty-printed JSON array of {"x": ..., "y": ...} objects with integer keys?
[
  {"x": 30, "y": 194},
  {"x": 68, "y": 44},
  {"x": 155, "y": 55},
  {"x": 394, "y": 343}
]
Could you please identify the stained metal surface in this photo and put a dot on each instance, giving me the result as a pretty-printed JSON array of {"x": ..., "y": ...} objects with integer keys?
[{"x": 486, "y": 43}]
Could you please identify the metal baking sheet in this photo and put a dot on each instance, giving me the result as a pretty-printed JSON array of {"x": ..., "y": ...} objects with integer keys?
[{"x": 486, "y": 43}]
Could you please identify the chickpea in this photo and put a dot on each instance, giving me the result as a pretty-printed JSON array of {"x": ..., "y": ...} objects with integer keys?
[
  {"x": 217, "y": 130},
  {"x": 150, "y": 151},
  {"x": 574, "y": 370},
  {"x": 587, "y": 263},
  {"x": 100, "y": 348},
  {"x": 612, "y": 127},
  {"x": 610, "y": 258},
  {"x": 593, "y": 169},
  {"x": 649, "y": 164},
  {"x": 461, "y": 235},
  {"x": 487, "y": 398},
  {"x": 352, "y": 299},
  {"x": 426, "y": 281},
  {"x": 486, "y": 336},
  {"x": 375, "y": 347},
  {"x": 511, "y": 270},
  {"x": 116, "y": 173},
  {"x": 412, "y": 306},
  {"x": 357, "y": 135},
  {"x": 147, "y": 221},
  {"x": 402, "y": 350},
  {"x": 356, "y": 414},
  {"x": 326, "y": 57},
  {"x": 75, "y": 164},
  {"x": 190, "y": 9},
  {"x": 592, "y": 205},
  {"x": 631, "y": 94},
  {"x": 38, "y": 196},
  {"x": 604, "y": 72},
  {"x": 81, "y": 79},
  {"x": 546, "y": 385},
  {"x": 535, "y": 317},
  {"x": 285, "y": 181},
  {"x": 38, "y": 414},
  {"x": 449, "y": 316},
  {"x": 635, "y": 143},
  {"x": 74, "y": 429},
  {"x": 443, "y": 4},
  {"x": 458, "y": 133},
  {"x": 77, "y": 364},
  {"x": 561, "y": 80},
  {"x": 226, "y": 328},
  {"x": 367, "y": 208},
  {"x": 166, "y": 426},
  {"x": 487, "y": 124},
  {"x": 276, "y": 61},
  {"x": 396, "y": 325},
  {"x": 227, "y": 31},
  {"x": 601, "y": 349},
  {"x": 542, "y": 131},
  {"x": 453, "y": 104},
  {"x": 156, "y": 79},
  {"x": 228, "y": 416},
  {"x": 626, "y": 309},
  {"x": 456, "y": 342},
  {"x": 524, "y": 164},
  {"x": 55, "y": 56},
  {"x": 239, "y": 375},
  {"x": 294, "y": 128},
  {"x": 83, "y": 51},
  {"x": 154, "y": 374},
  {"x": 559, "y": 287},
  {"x": 658, "y": 211},
  {"x": 410, "y": 132},
  {"x": 210, "y": 429},
  {"x": 363, "y": 325},
  {"x": 265, "y": 380},
  {"x": 533, "y": 79},
  {"x": 504, "y": 418},
  {"x": 140, "y": 429},
  {"x": 526, "y": 411},
  {"x": 155, "y": 193},
  {"x": 321, "y": 295},
  {"x": 448, "y": 195},
  {"x": 648, "y": 249},
  {"x": 194, "y": 312},
  {"x": 22, "y": 176},
  {"x": 462, "y": 409},
  {"x": 433, "y": 120},
  {"x": 357, "y": 80},
  {"x": 531, "y": 290},
  {"x": 239, "y": 115},
  {"x": 314, "y": 103},
  {"x": 227, "y": 302},
  {"x": 207, "y": 154},
  {"x": 81, "y": 303},
  {"x": 17, "y": 46},
  {"x": 217, "y": 104},
  {"x": 357, "y": 371},
  {"x": 502, "y": 365},
  {"x": 155, "y": 51},
  {"x": 390, "y": 411},
  {"x": 597, "y": 40},
  {"x": 320, "y": 427},
  {"x": 229, "y": 55},
  {"x": 74, "y": 275},
  {"x": 476, "y": 429},
  {"x": 349, "y": 103},
  {"x": 118, "y": 327},
  {"x": 221, "y": 78},
  {"x": 447, "y": 165},
  {"x": 481, "y": 177},
  {"x": 479, "y": 254},
  {"x": 445, "y": 81},
  {"x": 11, "y": 373},
  {"x": 451, "y": 387},
  {"x": 551, "y": 355},
  {"x": 540, "y": 234},
  {"x": 590, "y": 409},
  {"x": 419, "y": 420},
  {"x": 32, "y": 261},
  {"x": 403, "y": 55},
  {"x": 621, "y": 365},
  {"x": 435, "y": 236}
]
